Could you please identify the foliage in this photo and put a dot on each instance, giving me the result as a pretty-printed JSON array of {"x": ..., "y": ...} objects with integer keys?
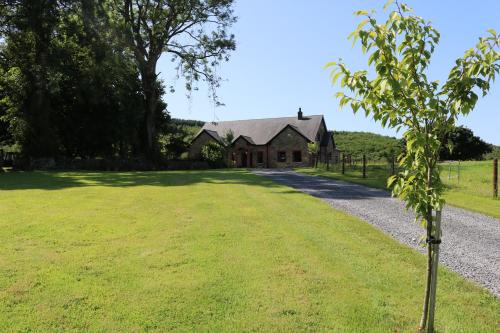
[
  {"x": 218, "y": 257},
  {"x": 78, "y": 78},
  {"x": 194, "y": 33},
  {"x": 313, "y": 148},
  {"x": 195, "y": 124},
  {"x": 374, "y": 146},
  {"x": 461, "y": 144},
  {"x": 70, "y": 87},
  {"x": 495, "y": 153},
  {"x": 177, "y": 136},
  {"x": 401, "y": 96},
  {"x": 228, "y": 138},
  {"x": 214, "y": 153}
]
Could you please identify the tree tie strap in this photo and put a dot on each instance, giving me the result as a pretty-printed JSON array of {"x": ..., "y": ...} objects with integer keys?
[{"x": 432, "y": 240}]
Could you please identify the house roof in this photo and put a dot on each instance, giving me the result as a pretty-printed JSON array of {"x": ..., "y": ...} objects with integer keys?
[
  {"x": 214, "y": 135},
  {"x": 244, "y": 137},
  {"x": 261, "y": 131}
]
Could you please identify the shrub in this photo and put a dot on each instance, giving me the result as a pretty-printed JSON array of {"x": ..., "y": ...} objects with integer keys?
[{"x": 213, "y": 153}]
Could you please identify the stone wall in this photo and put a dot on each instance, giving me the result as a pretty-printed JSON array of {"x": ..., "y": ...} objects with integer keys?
[
  {"x": 243, "y": 150},
  {"x": 288, "y": 141},
  {"x": 195, "y": 148}
]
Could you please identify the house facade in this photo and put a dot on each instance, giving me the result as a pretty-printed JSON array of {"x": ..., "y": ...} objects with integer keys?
[{"x": 269, "y": 143}]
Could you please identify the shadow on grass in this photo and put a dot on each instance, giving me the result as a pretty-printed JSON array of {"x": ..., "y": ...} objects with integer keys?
[{"x": 60, "y": 180}]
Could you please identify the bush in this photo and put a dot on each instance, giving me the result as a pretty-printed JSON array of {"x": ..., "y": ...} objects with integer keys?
[{"x": 213, "y": 153}]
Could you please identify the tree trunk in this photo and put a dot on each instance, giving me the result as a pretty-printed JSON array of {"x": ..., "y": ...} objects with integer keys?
[
  {"x": 435, "y": 262},
  {"x": 425, "y": 310},
  {"x": 151, "y": 101},
  {"x": 40, "y": 140}
]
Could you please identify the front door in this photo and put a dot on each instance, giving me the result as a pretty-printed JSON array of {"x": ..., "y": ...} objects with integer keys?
[{"x": 243, "y": 156}]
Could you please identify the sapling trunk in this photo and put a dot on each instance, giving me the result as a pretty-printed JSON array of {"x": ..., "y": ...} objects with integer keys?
[
  {"x": 425, "y": 310},
  {"x": 435, "y": 263}
]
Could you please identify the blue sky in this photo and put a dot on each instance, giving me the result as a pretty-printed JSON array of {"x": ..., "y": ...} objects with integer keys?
[{"x": 282, "y": 47}]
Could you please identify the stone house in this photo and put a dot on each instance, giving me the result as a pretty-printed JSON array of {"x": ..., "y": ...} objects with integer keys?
[{"x": 269, "y": 143}]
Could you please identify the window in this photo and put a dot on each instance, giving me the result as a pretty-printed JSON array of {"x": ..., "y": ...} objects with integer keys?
[
  {"x": 281, "y": 156},
  {"x": 260, "y": 157},
  {"x": 297, "y": 156}
]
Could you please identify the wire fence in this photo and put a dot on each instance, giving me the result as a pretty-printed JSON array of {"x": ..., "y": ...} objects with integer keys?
[{"x": 479, "y": 178}]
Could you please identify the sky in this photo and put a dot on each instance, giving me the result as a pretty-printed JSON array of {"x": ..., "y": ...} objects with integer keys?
[{"x": 282, "y": 47}]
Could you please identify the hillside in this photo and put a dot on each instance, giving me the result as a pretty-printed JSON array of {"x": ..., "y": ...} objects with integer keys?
[
  {"x": 371, "y": 144},
  {"x": 191, "y": 126}
]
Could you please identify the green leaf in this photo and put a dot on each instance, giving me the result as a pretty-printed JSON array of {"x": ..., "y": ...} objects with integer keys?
[
  {"x": 361, "y": 12},
  {"x": 362, "y": 24},
  {"x": 330, "y": 64},
  {"x": 388, "y": 3},
  {"x": 335, "y": 77}
]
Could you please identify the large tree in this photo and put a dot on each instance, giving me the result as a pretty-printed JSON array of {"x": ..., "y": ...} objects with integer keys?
[
  {"x": 193, "y": 32},
  {"x": 69, "y": 86},
  {"x": 28, "y": 27},
  {"x": 99, "y": 101},
  {"x": 461, "y": 144},
  {"x": 399, "y": 94}
]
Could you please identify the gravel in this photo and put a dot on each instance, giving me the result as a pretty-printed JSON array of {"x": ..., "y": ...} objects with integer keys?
[{"x": 470, "y": 242}]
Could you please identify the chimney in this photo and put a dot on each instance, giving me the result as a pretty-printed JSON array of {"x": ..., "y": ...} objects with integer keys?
[{"x": 299, "y": 114}]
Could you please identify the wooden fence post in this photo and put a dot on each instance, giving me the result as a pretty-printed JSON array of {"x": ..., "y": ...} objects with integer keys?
[
  {"x": 364, "y": 166},
  {"x": 495, "y": 178}
]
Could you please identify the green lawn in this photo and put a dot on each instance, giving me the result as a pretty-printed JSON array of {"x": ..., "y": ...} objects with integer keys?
[
  {"x": 469, "y": 185},
  {"x": 206, "y": 251}
]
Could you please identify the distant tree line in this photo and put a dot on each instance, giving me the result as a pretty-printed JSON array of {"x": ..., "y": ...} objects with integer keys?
[
  {"x": 79, "y": 78},
  {"x": 459, "y": 144},
  {"x": 175, "y": 140},
  {"x": 462, "y": 144}
]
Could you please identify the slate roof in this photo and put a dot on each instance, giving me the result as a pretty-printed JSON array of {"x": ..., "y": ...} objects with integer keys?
[
  {"x": 260, "y": 131},
  {"x": 214, "y": 135}
]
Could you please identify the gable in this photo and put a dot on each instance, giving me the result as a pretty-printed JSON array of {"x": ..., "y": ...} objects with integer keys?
[
  {"x": 211, "y": 134},
  {"x": 287, "y": 131},
  {"x": 241, "y": 140}
]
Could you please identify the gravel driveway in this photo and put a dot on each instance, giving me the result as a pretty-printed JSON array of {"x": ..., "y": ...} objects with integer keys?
[{"x": 471, "y": 241}]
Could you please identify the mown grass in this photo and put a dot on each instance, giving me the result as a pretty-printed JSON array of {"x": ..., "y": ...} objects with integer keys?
[
  {"x": 469, "y": 184},
  {"x": 206, "y": 251}
]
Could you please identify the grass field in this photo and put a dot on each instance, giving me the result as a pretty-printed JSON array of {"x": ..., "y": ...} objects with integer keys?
[
  {"x": 469, "y": 185},
  {"x": 206, "y": 251}
]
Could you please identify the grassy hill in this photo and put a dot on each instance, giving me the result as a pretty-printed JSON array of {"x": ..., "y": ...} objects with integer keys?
[
  {"x": 359, "y": 143},
  {"x": 192, "y": 127}
]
